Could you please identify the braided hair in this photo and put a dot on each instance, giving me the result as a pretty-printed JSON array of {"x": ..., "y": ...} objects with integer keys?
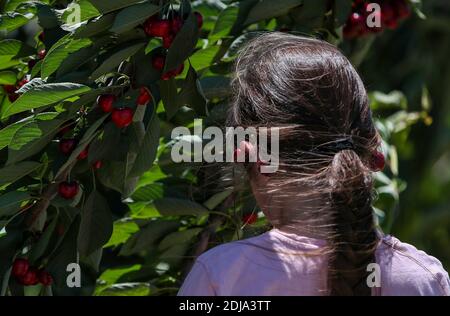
[{"x": 309, "y": 89}]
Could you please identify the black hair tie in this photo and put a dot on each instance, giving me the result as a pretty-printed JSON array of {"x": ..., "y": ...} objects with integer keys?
[{"x": 344, "y": 144}]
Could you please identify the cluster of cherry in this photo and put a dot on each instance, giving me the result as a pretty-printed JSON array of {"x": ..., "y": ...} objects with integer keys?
[
  {"x": 27, "y": 275},
  {"x": 121, "y": 117},
  {"x": 167, "y": 29},
  {"x": 392, "y": 11}
]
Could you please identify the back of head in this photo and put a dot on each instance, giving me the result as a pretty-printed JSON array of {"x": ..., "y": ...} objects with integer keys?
[{"x": 311, "y": 92}]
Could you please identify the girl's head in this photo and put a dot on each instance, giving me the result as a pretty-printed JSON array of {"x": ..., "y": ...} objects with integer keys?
[{"x": 309, "y": 91}]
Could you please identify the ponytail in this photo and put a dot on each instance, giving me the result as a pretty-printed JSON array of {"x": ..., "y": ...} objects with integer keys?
[{"x": 354, "y": 238}]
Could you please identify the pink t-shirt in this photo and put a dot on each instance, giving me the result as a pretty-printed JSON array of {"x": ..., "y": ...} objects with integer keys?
[{"x": 279, "y": 263}]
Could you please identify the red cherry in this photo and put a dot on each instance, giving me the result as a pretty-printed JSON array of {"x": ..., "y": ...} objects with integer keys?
[
  {"x": 21, "y": 83},
  {"x": 68, "y": 190},
  {"x": 42, "y": 53},
  {"x": 83, "y": 154},
  {"x": 173, "y": 73},
  {"x": 9, "y": 89},
  {"x": 389, "y": 15},
  {"x": 13, "y": 97},
  {"x": 29, "y": 278},
  {"x": 377, "y": 163},
  {"x": 158, "y": 28},
  {"x": 45, "y": 278},
  {"x": 403, "y": 9},
  {"x": 355, "y": 26},
  {"x": 158, "y": 62},
  {"x": 250, "y": 218},
  {"x": 144, "y": 96},
  {"x": 176, "y": 24},
  {"x": 149, "y": 22},
  {"x": 66, "y": 146},
  {"x": 98, "y": 164},
  {"x": 166, "y": 76},
  {"x": 199, "y": 19},
  {"x": 168, "y": 40},
  {"x": 122, "y": 117},
  {"x": 20, "y": 267},
  {"x": 41, "y": 36},
  {"x": 106, "y": 102},
  {"x": 32, "y": 63}
]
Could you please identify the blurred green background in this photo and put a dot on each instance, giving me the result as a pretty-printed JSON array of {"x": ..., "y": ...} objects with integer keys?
[{"x": 412, "y": 58}]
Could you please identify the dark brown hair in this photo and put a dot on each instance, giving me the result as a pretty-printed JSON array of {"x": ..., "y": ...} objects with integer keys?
[{"x": 309, "y": 89}]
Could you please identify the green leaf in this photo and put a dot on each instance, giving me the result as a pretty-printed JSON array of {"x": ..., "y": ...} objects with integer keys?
[
  {"x": 146, "y": 154},
  {"x": 177, "y": 207},
  {"x": 40, "y": 247},
  {"x": 267, "y": 9},
  {"x": 143, "y": 210},
  {"x": 204, "y": 58},
  {"x": 191, "y": 93},
  {"x": 149, "y": 192},
  {"x": 12, "y": 48},
  {"x": 183, "y": 44},
  {"x": 34, "y": 144},
  {"x": 111, "y": 276},
  {"x": 13, "y": 4},
  {"x": 12, "y": 20},
  {"x": 148, "y": 236},
  {"x": 122, "y": 230},
  {"x": 112, "y": 5},
  {"x": 8, "y": 78},
  {"x": 44, "y": 95},
  {"x": 77, "y": 59},
  {"x": 96, "y": 26},
  {"x": 65, "y": 254},
  {"x": 59, "y": 53},
  {"x": 105, "y": 145},
  {"x": 127, "y": 289},
  {"x": 169, "y": 97},
  {"x": 10, "y": 202},
  {"x": 15, "y": 135},
  {"x": 116, "y": 59},
  {"x": 96, "y": 224},
  {"x": 217, "y": 199},
  {"x": 389, "y": 101},
  {"x": 224, "y": 23},
  {"x": 177, "y": 238},
  {"x": 132, "y": 16},
  {"x": 25, "y": 135},
  {"x": 310, "y": 14},
  {"x": 15, "y": 172},
  {"x": 144, "y": 73},
  {"x": 113, "y": 175},
  {"x": 82, "y": 9},
  {"x": 215, "y": 87}
]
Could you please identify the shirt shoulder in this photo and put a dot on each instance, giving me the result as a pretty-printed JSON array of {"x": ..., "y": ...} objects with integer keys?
[
  {"x": 227, "y": 252},
  {"x": 406, "y": 270}
]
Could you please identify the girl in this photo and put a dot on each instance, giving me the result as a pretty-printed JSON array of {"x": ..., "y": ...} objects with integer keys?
[{"x": 324, "y": 240}]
